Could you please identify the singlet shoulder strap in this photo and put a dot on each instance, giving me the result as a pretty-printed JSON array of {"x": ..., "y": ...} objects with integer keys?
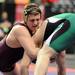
[{"x": 18, "y": 23}]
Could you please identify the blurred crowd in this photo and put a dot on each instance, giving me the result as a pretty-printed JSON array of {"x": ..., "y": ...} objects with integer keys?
[{"x": 5, "y": 25}]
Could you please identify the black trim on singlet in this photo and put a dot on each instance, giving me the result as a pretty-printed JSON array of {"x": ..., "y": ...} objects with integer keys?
[
  {"x": 63, "y": 29},
  {"x": 51, "y": 27}
]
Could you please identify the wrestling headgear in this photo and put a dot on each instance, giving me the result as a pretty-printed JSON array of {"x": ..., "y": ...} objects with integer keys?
[{"x": 31, "y": 8}]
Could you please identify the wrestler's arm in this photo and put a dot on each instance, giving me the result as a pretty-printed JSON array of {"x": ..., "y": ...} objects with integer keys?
[
  {"x": 22, "y": 35},
  {"x": 26, "y": 59},
  {"x": 42, "y": 59},
  {"x": 25, "y": 63},
  {"x": 39, "y": 35}
]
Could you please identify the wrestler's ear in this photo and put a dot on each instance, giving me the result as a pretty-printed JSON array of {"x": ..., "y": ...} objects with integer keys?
[{"x": 25, "y": 18}]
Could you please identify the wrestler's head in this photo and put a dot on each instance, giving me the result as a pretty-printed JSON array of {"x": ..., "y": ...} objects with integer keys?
[{"x": 32, "y": 16}]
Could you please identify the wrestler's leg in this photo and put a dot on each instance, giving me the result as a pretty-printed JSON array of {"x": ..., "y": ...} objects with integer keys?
[{"x": 60, "y": 60}]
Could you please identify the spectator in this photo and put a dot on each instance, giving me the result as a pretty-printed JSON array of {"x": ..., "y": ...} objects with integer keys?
[{"x": 5, "y": 24}]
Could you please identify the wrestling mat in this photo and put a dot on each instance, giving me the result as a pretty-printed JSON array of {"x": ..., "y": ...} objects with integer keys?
[{"x": 51, "y": 70}]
